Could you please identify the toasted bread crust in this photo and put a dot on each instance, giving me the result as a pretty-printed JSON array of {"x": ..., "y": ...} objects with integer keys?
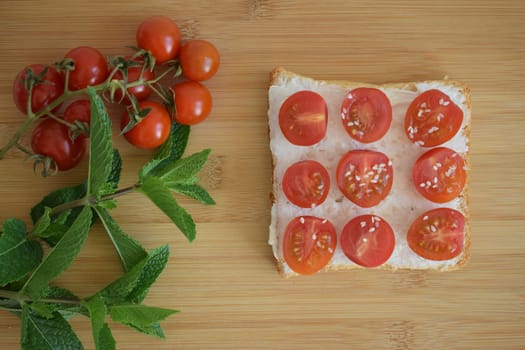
[{"x": 279, "y": 76}]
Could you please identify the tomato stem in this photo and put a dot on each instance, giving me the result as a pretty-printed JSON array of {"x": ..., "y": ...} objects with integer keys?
[{"x": 67, "y": 94}]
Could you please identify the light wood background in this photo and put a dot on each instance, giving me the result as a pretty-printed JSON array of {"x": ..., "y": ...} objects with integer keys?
[{"x": 225, "y": 283}]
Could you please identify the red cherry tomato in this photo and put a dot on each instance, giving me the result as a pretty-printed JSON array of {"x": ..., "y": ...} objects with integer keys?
[
  {"x": 193, "y": 102},
  {"x": 306, "y": 183},
  {"x": 199, "y": 60},
  {"x": 51, "y": 138},
  {"x": 78, "y": 110},
  {"x": 43, "y": 93},
  {"x": 365, "y": 177},
  {"x": 437, "y": 234},
  {"x": 439, "y": 175},
  {"x": 309, "y": 243},
  {"x": 303, "y": 118},
  {"x": 368, "y": 240},
  {"x": 150, "y": 132},
  {"x": 141, "y": 92},
  {"x": 90, "y": 67},
  {"x": 366, "y": 114},
  {"x": 161, "y": 36},
  {"x": 432, "y": 119}
]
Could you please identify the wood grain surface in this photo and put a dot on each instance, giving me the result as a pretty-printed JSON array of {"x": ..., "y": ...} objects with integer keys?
[{"x": 225, "y": 283}]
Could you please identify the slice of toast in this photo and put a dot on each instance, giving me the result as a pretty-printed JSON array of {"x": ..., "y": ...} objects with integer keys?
[{"x": 403, "y": 204}]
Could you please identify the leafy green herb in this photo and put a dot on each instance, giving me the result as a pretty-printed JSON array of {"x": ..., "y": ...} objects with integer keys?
[
  {"x": 63, "y": 218},
  {"x": 15, "y": 247},
  {"x": 128, "y": 249},
  {"x": 61, "y": 256},
  {"x": 155, "y": 189},
  {"x": 47, "y": 333}
]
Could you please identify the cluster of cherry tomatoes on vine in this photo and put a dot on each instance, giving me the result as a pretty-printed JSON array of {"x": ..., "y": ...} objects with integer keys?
[{"x": 52, "y": 94}]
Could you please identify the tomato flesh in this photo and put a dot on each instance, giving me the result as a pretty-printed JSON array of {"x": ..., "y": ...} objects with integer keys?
[
  {"x": 366, "y": 114},
  {"x": 439, "y": 175},
  {"x": 368, "y": 240},
  {"x": 90, "y": 67},
  {"x": 437, "y": 234},
  {"x": 303, "y": 118},
  {"x": 161, "y": 36},
  {"x": 153, "y": 130},
  {"x": 432, "y": 119},
  {"x": 199, "y": 60},
  {"x": 193, "y": 102},
  {"x": 309, "y": 243},
  {"x": 43, "y": 93},
  {"x": 51, "y": 138},
  {"x": 306, "y": 183},
  {"x": 365, "y": 177},
  {"x": 79, "y": 110}
]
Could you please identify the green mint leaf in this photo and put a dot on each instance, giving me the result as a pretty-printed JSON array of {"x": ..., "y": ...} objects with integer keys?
[
  {"x": 161, "y": 196},
  {"x": 119, "y": 290},
  {"x": 101, "y": 333},
  {"x": 108, "y": 204},
  {"x": 62, "y": 221},
  {"x": 170, "y": 150},
  {"x": 101, "y": 149},
  {"x": 173, "y": 148},
  {"x": 155, "y": 264},
  {"x": 43, "y": 309},
  {"x": 129, "y": 250},
  {"x": 116, "y": 169},
  {"x": 193, "y": 191},
  {"x": 54, "y": 292},
  {"x": 43, "y": 223},
  {"x": 56, "y": 198},
  {"x": 138, "y": 315},
  {"x": 153, "y": 329},
  {"x": 42, "y": 333},
  {"x": 14, "y": 247},
  {"x": 149, "y": 167},
  {"x": 61, "y": 256},
  {"x": 184, "y": 168}
]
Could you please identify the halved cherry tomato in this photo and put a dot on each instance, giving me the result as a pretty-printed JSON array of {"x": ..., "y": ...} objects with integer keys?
[
  {"x": 439, "y": 174},
  {"x": 161, "y": 36},
  {"x": 306, "y": 183},
  {"x": 153, "y": 130},
  {"x": 368, "y": 240},
  {"x": 432, "y": 119},
  {"x": 309, "y": 243},
  {"x": 43, "y": 93},
  {"x": 199, "y": 60},
  {"x": 193, "y": 102},
  {"x": 51, "y": 138},
  {"x": 91, "y": 67},
  {"x": 365, "y": 177},
  {"x": 438, "y": 234},
  {"x": 78, "y": 110},
  {"x": 366, "y": 114},
  {"x": 140, "y": 92},
  {"x": 303, "y": 118}
]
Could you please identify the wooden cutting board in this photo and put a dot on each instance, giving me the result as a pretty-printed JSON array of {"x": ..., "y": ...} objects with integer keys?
[{"x": 225, "y": 283}]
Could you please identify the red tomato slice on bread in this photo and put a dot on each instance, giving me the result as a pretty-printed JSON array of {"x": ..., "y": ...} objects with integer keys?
[
  {"x": 366, "y": 114},
  {"x": 439, "y": 174},
  {"x": 306, "y": 183},
  {"x": 303, "y": 118},
  {"x": 368, "y": 240},
  {"x": 438, "y": 234},
  {"x": 365, "y": 177},
  {"x": 309, "y": 243},
  {"x": 432, "y": 119}
]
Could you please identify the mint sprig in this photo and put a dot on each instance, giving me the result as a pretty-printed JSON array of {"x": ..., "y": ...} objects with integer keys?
[{"x": 62, "y": 221}]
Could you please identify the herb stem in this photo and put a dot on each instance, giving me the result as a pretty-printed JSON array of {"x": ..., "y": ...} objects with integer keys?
[{"x": 8, "y": 294}]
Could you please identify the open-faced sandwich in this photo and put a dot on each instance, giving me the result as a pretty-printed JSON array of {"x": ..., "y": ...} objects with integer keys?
[{"x": 368, "y": 175}]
